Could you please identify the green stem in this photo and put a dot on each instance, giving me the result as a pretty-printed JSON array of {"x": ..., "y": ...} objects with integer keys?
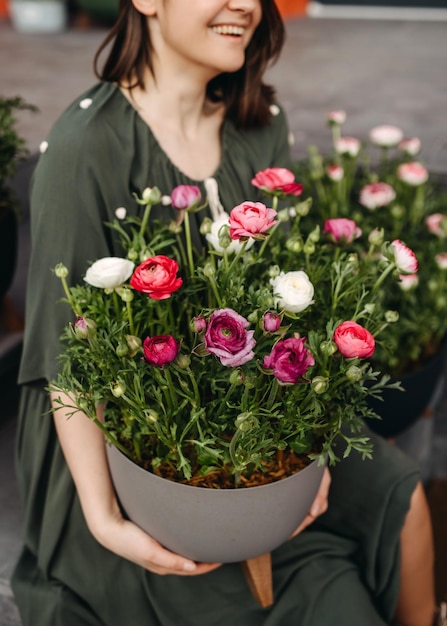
[
  {"x": 189, "y": 250},
  {"x": 130, "y": 317},
  {"x": 145, "y": 220},
  {"x": 76, "y": 309}
]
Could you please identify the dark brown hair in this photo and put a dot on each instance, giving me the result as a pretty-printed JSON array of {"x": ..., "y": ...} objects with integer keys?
[{"x": 246, "y": 98}]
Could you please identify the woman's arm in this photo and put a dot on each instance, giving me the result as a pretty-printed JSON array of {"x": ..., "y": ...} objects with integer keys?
[{"x": 83, "y": 446}]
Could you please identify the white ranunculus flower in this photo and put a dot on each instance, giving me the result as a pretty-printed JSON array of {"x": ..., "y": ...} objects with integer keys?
[
  {"x": 292, "y": 291},
  {"x": 109, "y": 272},
  {"x": 213, "y": 236},
  {"x": 386, "y": 136}
]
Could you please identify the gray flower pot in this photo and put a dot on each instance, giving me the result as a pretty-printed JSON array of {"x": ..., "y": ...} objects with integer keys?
[{"x": 214, "y": 525}]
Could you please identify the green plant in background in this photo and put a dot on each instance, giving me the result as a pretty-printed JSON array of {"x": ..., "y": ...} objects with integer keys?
[
  {"x": 388, "y": 192},
  {"x": 12, "y": 148}
]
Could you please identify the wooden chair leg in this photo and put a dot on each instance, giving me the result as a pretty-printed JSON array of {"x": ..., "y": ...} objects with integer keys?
[{"x": 258, "y": 572}]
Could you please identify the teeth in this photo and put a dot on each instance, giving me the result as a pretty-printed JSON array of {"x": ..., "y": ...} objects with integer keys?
[{"x": 228, "y": 30}]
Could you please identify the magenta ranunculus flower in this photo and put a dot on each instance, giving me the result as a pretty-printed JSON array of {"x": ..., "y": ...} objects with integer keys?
[
  {"x": 277, "y": 179},
  {"x": 271, "y": 322},
  {"x": 157, "y": 277},
  {"x": 376, "y": 195},
  {"x": 251, "y": 219},
  {"x": 228, "y": 338},
  {"x": 289, "y": 359},
  {"x": 349, "y": 146},
  {"x": 354, "y": 341},
  {"x": 341, "y": 229},
  {"x": 413, "y": 173},
  {"x": 184, "y": 197},
  {"x": 404, "y": 257},
  {"x": 160, "y": 350}
]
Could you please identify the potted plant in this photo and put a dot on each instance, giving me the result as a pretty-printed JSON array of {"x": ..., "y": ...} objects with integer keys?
[
  {"x": 387, "y": 190},
  {"x": 12, "y": 151},
  {"x": 39, "y": 16},
  {"x": 220, "y": 375}
]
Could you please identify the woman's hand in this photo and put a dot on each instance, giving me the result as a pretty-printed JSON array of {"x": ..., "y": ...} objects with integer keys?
[{"x": 319, "y": 505}]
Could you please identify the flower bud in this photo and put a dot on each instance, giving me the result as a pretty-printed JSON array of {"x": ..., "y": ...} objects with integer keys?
[
  {"x": 370, "y": 308},
  {"x": 224, "y": 237},
  {"x": 83, "y": 327},
  {"x": 151, "y": 195},
  {"x": 328, "y": 347},
  {"x": 274, "y": 271},
  {"x": 122, "y": 349},
  {"x": 175, "y": 227},
  {"x": 118, "y": 389},
  {"x": 246, "y": 421},
  {"x": 320, "y": 384},
  {"x": 391, "y": 316},
  {"x": 283, "y": 215},
  {"x": 354, "y": 373},
  {"x": 253, "y": 317},
  {"x": 294, "y": 244},
  {"x": 309, "y": 247},
  {"x": 121, "y": 213},
  {"x": 397, "y": 211},
  {"x": 183, "y": 361},
  {"x": 302, "y": 208},
  {"x": 151, "y": 415},
  {"x": 133, "y": 343},
  {"x": 61, "y": 271},
  {"x": 208, "y": 270},
  {"x": 237, "y": 377},
  {"x": 250, "y": 381},
  {"x": 198, "y": 324},
  {"x": 132, "y": 255},
  {"x": 353, "y": 259},
  {"x": 125, "y": 294},
  {"x": 271, "y": 322},
  {"x": 205, "y": 226},
  {"x": 376, "y": 237}
]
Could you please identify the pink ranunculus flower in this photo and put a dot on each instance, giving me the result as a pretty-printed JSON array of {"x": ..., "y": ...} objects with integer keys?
[
  {"x": 277, "y": 179},
  {"x": 157, "y": 277},
  {"x": 408, "y": 281},
  {"x": 375, "y": 195},
  {"x": 441, "y": 260},
  {"x": 410, "y": 146},
  {"x": 437, "y": 224},
  {"x": 251, "y": 219},
  {"x": 386, "y": 135},
  {"x": 160, "y": 350},
  {"x": 353, "y": 340},
  {"x": 341, "y": 230},
  {"x": 271, "y": 322},
  {"x": 404, "y": 257},
  {"x": 335, "y": 173},
  {"x": 336, "y": 117},
  {"x": 289, "y": 360},
  {"x": 228, "y": 338},
  {"x": 348, "y": 146},
  {"x": 183, "y": 197},
  {"x": 214, "y": 236},
  {"x": 413, "y": 173},
  {"x": 109, "y": 272}
]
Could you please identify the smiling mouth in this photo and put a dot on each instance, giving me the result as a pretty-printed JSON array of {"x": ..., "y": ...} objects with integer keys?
[{"x": 235, "y": 31}]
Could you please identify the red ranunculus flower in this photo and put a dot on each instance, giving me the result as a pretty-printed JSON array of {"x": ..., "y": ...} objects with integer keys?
[
  {"x": 277, "y": 179},
  {"x": 354, "y": 341},
  {"x": 160, "y": 350},
  {"x": 251, "y": 219},
  {"x": 289, "y": 359},
  {"x": 157, "y": 277},
  {"x": 228, "y": 338}
]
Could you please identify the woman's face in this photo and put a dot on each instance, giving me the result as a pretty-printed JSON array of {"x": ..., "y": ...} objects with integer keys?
[{"x": 207, "y": 34}]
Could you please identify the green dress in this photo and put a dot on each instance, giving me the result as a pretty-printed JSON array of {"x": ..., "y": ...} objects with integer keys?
[{"x": 343, "y": 570}]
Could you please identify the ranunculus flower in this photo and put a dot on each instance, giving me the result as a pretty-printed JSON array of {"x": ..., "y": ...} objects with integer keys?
[
  {"x": 386, "y": 136},
  {"x": 228, "y": 338},
  {"x": 347, "y": 145},
  {"x": 441, "y": 260},
  {"x": 376, "y": 195},
  {"x": 408, "y": 281},
  {"x": 405, "y": 258},
  {"x": 437, "y": 224},
  {"x": 292, "y": 291},
  {"x": 251, "y": 219},
  {"x": 277, "y": 179},
  {"x": 185, "y": 196},
  {"x": 289, "y": 360},
  {"x": 83, "y": 327},
  {"x": 160, "y": 350},
  {"x": 336, "y": 117},
  {"x": 410, "y": 145},
  {"x": 198, "y": 324},
  {"x": 354, "y": 341},
  {"x": 157, "y": 277},
  {"x": 335, "y": 172},
  {"x": 109, "y": 272},
  {"x": 341, "y": 229},
  {"x": 271, "y": 322},
  {"x": 213, "y": 237},
  {"x": 413, "y": 173}
]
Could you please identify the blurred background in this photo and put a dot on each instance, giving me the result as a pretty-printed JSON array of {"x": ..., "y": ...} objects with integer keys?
[{"x": 380, "y": 62}]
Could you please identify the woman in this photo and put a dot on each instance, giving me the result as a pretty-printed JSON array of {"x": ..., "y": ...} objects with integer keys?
[{"x": 181, "y": 101}]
